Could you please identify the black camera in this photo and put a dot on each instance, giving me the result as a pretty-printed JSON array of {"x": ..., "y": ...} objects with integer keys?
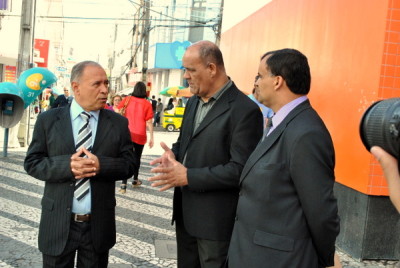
[{"x": 380, "y": 126}]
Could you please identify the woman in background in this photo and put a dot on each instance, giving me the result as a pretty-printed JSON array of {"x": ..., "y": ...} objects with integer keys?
[
  {"x": 115, "y": 101},
  {"x": 140, "y": 115}
]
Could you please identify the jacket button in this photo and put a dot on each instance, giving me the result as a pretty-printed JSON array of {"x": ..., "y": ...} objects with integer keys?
[{"x": 236, "y": 218}]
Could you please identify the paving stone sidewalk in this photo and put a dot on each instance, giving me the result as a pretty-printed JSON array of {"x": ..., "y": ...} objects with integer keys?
[{"x": 145, "y": 237}]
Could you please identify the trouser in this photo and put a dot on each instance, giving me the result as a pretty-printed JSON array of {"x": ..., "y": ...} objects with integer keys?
[
  {"x": 156, "y": 119},
  {"x": 195, "y": 252},
  {"x": 79, "y": 241}
]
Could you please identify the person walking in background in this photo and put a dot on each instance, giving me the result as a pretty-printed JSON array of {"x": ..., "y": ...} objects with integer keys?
[
  {"x": 287, "y": 215},
  {"x": 63, "y": 99},
  {"x": 153, "y": 103},
  {"x": 77, "y": 156},
  {"x": 157, "y": 116},
  {"x": 115, "y": 101},
  {"x": 53, "y": 97},
  {"x": 140, "y": 115},
  {"x": 221, "y": 127}
]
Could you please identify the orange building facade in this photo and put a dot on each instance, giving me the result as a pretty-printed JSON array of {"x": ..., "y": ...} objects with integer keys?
[{"x": 353, "y": 48}]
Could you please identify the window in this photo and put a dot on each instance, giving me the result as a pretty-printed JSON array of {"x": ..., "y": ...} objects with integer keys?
[{"x": 3, "y": 4}]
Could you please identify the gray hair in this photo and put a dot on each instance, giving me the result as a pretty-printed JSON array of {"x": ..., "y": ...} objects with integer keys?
[
  {"x": 210, "y": 53},
  {"x": 78, "y": 69}
]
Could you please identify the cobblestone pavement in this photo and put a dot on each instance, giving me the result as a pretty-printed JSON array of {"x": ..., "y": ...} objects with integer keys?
[{"x": 143, "y": 217}]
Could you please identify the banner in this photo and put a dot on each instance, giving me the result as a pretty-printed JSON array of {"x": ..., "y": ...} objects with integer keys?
[
  {"x": 10, "y": 73},
  {"x": 41, "y": 52}
]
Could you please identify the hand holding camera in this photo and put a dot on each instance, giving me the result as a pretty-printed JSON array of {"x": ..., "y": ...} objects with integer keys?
[
  {"x": 380, "y": 133},
  {"x": 391, "y": 172}
]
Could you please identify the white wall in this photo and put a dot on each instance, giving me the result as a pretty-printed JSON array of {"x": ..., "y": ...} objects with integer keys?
[
  {"x": 10, "y": 31},
  {"x": 175, "y": 78},
  {"x": 235, "y": 11}
]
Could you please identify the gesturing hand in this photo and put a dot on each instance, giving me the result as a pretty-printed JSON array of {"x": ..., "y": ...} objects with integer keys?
[{"x": 171, "y": 173}]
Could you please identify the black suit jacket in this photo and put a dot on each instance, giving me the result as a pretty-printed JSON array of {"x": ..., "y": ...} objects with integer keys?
[
  {"x": 287, "y": 215},
  {"x": 215, "y": 155},
  {"x": 60, "y": 101},
  {"x": 48, "y": 159}
]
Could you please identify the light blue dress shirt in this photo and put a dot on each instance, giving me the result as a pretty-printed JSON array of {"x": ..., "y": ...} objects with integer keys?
[{"x": 83, "y": 206}]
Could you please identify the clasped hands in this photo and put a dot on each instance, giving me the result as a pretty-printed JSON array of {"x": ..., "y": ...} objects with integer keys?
[
  {"x": 170, "y": 173},
  {"x": 83, "y": 167}
]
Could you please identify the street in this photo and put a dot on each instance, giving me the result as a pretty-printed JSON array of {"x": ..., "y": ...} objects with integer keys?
[
  {"x": 145, "y": 237},
  {"x": 144, "y": 229}
]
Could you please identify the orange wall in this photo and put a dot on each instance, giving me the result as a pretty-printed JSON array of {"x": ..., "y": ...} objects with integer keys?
[{"x": 347, "y": 44}]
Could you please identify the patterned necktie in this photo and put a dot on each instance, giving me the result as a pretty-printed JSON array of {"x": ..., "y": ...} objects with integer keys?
[
  {"x": 84, "y": 139},
  {"x": 267, "y": 128}
]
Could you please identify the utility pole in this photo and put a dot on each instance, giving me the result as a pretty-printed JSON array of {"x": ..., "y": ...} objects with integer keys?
[
  {"x": 26, "y": 36},
  {"x": 145, "y": 38},
  {"x": 219, "y": 26},
  {"x": 111, "y": 63}
]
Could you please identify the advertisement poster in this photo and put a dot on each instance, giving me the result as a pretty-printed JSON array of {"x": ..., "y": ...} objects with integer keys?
[
  {"x": 10, "y": 74},
  {"x": 41, "y": 52}
]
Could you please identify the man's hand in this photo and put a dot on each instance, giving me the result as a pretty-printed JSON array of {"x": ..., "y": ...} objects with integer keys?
[
  {"x": 171, "y": 172},
  {"x": 165, "y": 158},
  {"x": 83, "y": 167},
  {"x": 390, "y": 169}
]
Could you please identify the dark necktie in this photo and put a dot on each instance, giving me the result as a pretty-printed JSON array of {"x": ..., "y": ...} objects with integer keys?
[
  {"x": 84, "y": 139},
  {"x": 267, "y": 128}
]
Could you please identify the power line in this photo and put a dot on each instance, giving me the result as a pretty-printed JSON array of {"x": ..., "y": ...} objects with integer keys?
[{"x": 174, "y": 19}]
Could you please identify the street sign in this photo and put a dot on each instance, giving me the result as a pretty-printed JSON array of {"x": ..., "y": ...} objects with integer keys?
[{"x": 61, "y": 69}]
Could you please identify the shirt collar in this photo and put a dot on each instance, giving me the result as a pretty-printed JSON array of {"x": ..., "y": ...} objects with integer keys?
[
  {"x": 76, "y": 110},
  {"x": 286, "y": 109},
  {"x": 221, "y": 91}
]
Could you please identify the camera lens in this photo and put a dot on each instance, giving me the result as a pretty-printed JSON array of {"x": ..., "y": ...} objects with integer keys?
[{"x": 380, "y": 125}]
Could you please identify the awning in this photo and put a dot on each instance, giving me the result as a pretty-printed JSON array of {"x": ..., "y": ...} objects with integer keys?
[{"x": 8, "y": 61}]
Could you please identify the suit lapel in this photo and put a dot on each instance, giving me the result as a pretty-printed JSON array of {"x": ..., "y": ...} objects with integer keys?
[
  {"x": 264, "y": 146},
  {"x": 104, "y": 126},
  {"x": 220, "y": 107},
  {"x": 188, "y": 122},
  {"x": 63, "y": 128}
]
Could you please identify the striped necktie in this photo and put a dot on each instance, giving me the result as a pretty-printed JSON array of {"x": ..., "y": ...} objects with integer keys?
[
  {"x": 84, "y": 139},
  {"x": 267, "y": 128}
]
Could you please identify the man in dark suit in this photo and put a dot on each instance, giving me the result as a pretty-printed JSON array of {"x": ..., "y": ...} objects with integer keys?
[
  {"x": 287, "y": 215},
  {"x": 221, "y": 127},
  {"x": 62, "y": 100},
  {"x": 83, "y": 223}
]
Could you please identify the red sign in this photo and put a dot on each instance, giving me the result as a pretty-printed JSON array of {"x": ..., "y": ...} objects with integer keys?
[
  {"x": 41, "y": 52},
  {"x": 10, "y": 74}
]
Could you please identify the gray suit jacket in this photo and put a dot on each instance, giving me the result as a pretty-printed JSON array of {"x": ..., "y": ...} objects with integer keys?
[
  {"x": 215, "y": 156},
  {"x": 287, "y": 214},
  {"x": 48, "y": 159}
]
